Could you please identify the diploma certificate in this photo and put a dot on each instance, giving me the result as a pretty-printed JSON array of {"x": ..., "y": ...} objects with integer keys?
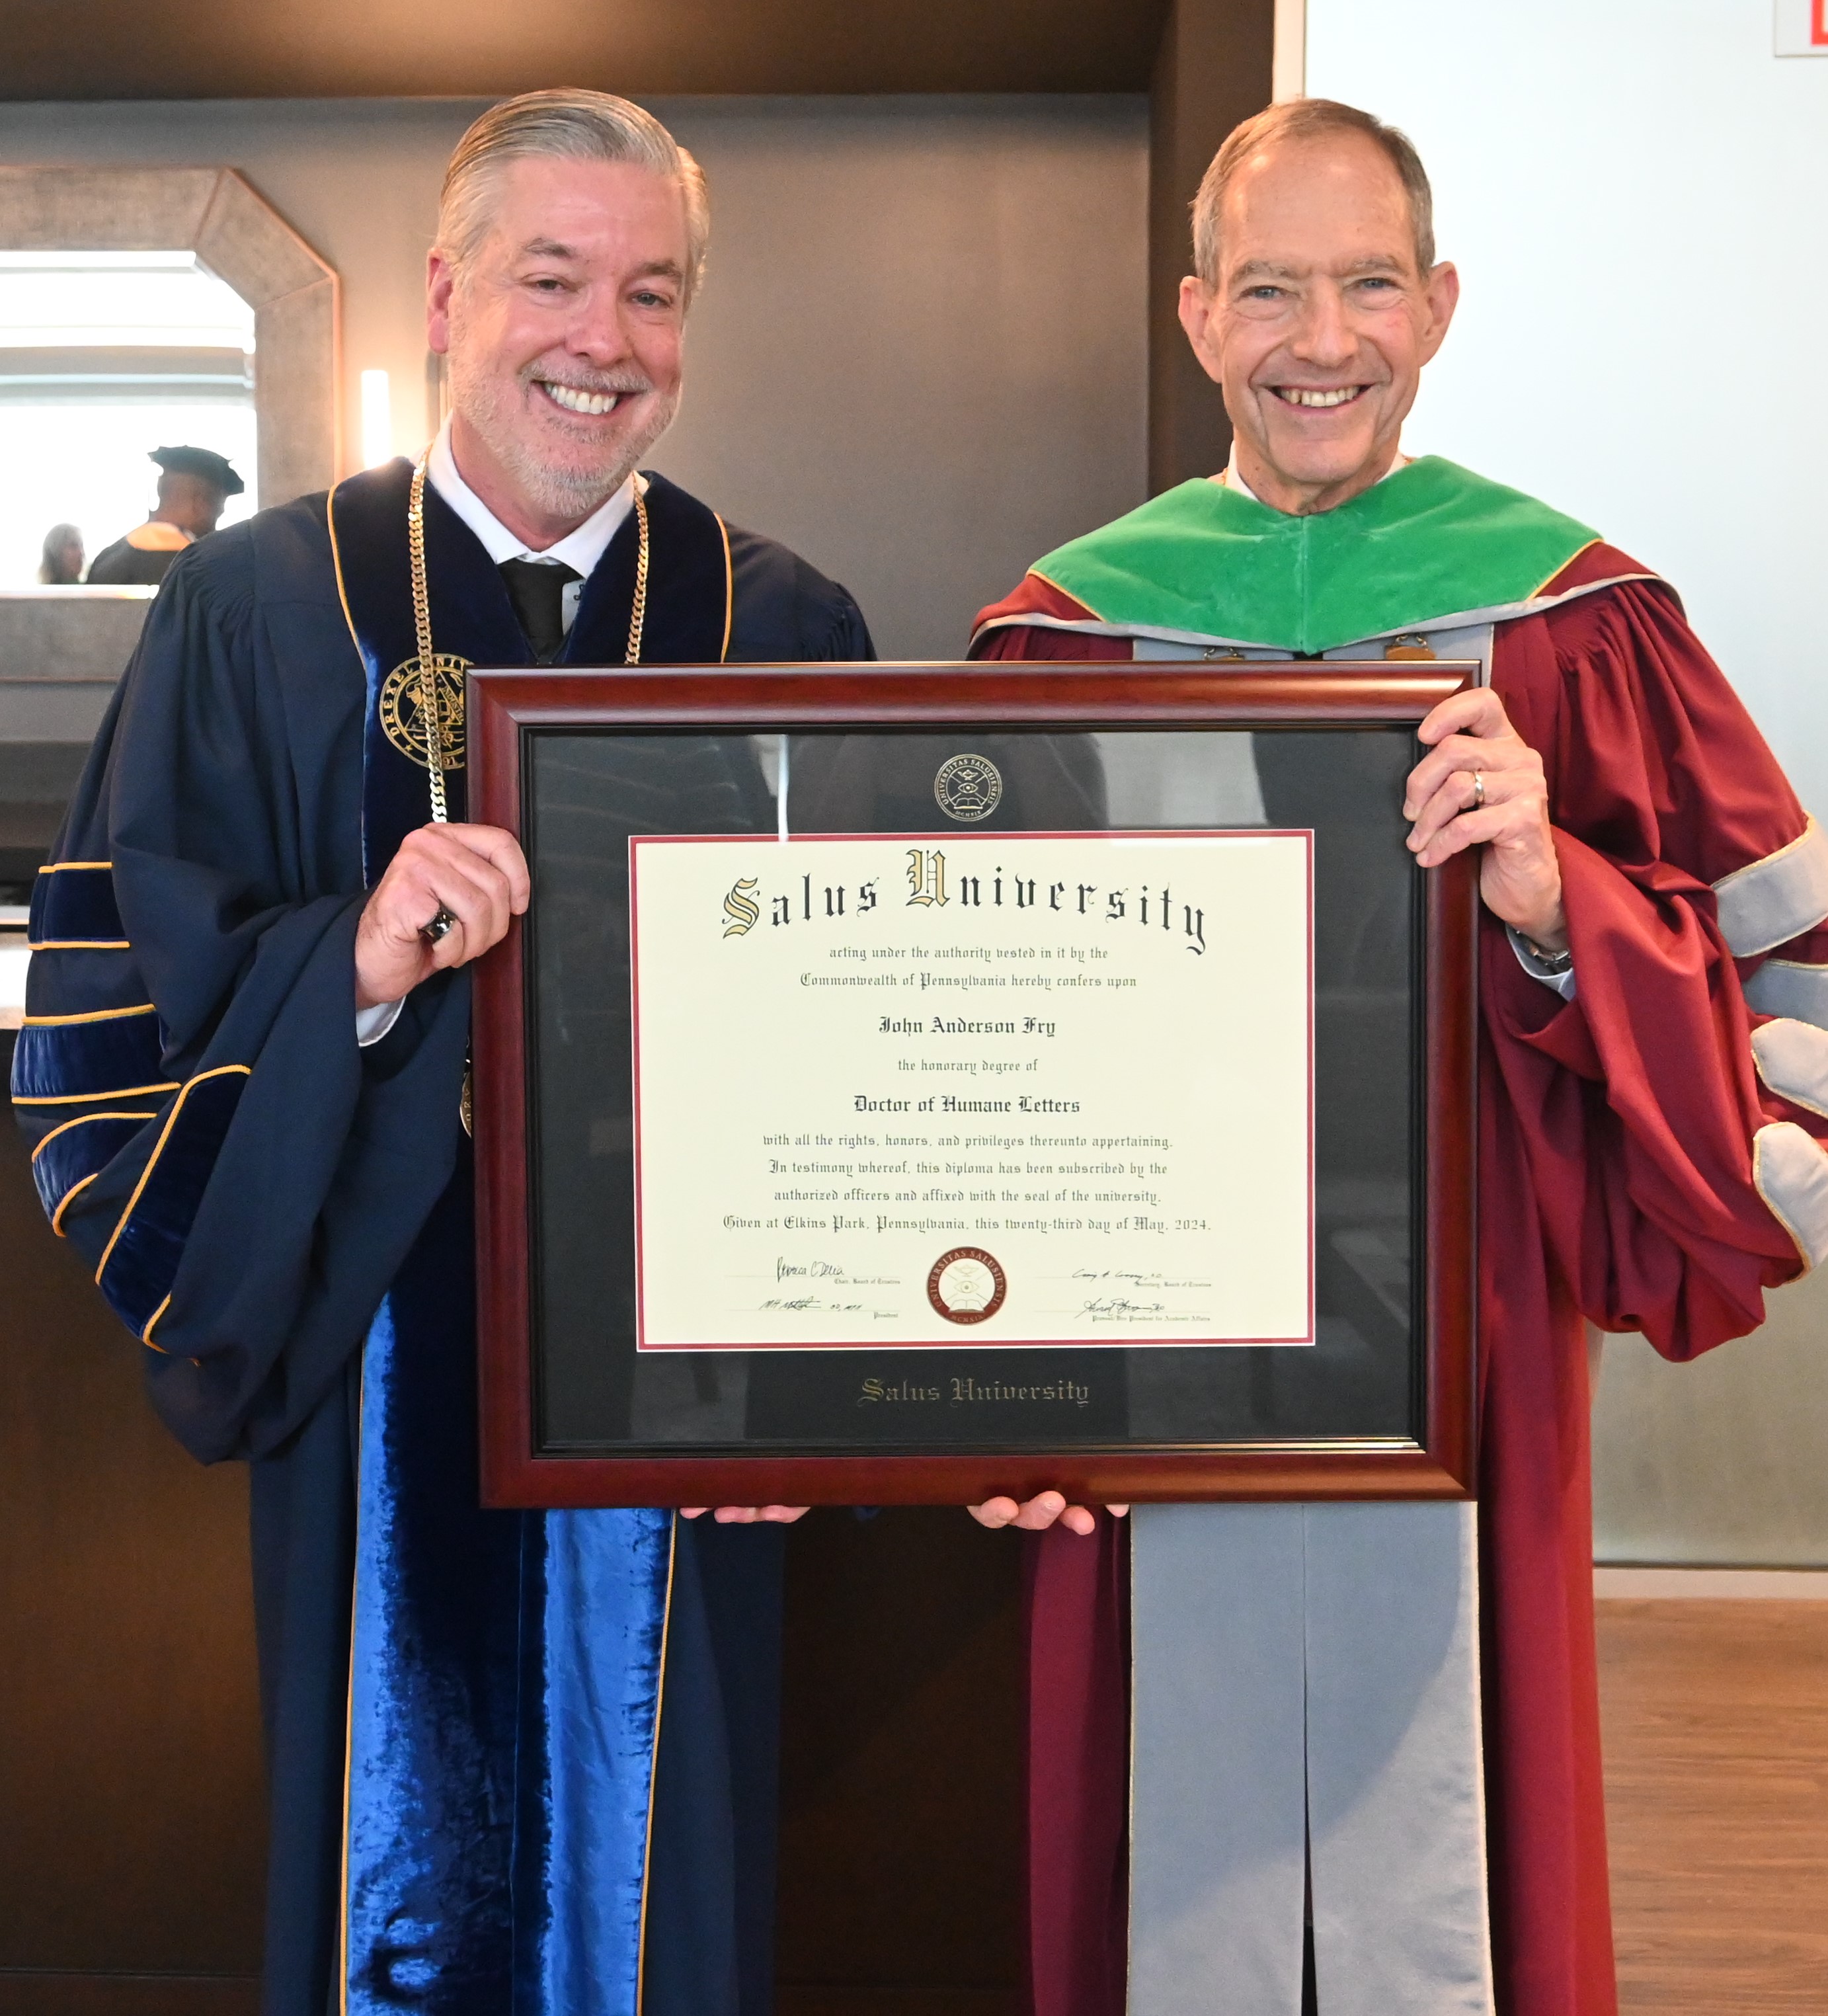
[
  {"x": 920, "y": 1084},
  {"x": 972, "y": 1090}
]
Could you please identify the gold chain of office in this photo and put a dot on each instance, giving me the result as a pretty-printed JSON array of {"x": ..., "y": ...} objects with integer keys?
[{"x": 440, "y": 688}]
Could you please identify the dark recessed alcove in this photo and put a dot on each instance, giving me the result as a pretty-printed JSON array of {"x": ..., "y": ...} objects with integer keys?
[{"x": 902, "y": 1780}]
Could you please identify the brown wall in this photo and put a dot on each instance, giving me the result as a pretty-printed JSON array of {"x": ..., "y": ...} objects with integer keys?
[
  {"x": 199, "y": 49},
  {"x": 131, "y": 1780},
  {"x": 902, "y": 1778},
  {"x": 1213, "y": 71}
]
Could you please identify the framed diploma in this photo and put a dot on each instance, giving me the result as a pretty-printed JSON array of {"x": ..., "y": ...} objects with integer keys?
[{"x": 916, "y": 1083}]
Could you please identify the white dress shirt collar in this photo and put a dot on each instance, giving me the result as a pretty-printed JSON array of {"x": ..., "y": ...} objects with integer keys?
[
  {"x": 580, "y": 549},
  {"x": 1232, "y": 481}
]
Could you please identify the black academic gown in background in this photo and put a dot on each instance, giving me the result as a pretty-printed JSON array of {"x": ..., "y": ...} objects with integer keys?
[
  {"x": 271, "y": 1210},
  {"x": 125, "y": 565}
]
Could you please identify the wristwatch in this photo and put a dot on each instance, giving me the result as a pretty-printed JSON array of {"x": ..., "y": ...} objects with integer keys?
[{"x": 1553, "y": 962}]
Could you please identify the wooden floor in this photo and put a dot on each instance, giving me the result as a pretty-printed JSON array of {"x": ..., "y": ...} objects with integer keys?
[{"x": 1716, "y": 1734}]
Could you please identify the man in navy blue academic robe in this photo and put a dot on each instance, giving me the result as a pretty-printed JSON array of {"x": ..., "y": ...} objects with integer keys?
[{"x": 243, "y": 1064}]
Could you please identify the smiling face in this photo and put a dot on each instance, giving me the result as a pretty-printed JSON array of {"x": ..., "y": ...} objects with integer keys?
[
  {"x": 564, "y": 336},
  {"x": 1321, "y": 319}
]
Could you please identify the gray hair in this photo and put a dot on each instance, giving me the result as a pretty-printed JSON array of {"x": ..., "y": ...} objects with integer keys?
[
  {"x": 565, "y": 125},
  {"x": 1297, "y": 120}
]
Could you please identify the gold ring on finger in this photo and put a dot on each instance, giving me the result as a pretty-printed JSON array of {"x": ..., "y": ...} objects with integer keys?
[{"x": 1478, "y": 788}]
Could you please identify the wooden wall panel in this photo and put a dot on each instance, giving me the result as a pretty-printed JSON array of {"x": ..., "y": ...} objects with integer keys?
[
  {"x": 131, "y": 1778},
  {"x": 384, "y": 49},
  {"x": 126, "y": 1995},
  {"x": 902, "y": 1779},
  {"x": 1213, "y": 70}
]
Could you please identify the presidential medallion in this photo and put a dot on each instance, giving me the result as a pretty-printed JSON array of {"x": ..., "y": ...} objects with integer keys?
[
  {"x": 966, "y": 1286},
  {"x": 969, "y": 788},
  {"x": 402, "y": 709}
]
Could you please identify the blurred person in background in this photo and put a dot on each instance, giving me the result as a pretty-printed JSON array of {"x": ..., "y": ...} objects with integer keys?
[
  {"x": 194, "y": 485},
  {"x": 60, "y": 565}
]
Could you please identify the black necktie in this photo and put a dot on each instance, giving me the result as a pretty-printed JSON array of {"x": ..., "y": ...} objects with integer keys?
[{"x": 537, "y": 589}]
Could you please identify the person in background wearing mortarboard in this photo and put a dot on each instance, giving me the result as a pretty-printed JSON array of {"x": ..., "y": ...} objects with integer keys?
[{"x": 194, "y": 484}]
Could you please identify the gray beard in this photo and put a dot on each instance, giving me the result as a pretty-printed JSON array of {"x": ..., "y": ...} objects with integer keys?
[{"x": 564, "y": 489}]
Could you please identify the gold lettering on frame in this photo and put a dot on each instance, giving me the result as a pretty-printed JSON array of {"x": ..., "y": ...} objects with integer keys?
[{"x": 969, "y": 1392}]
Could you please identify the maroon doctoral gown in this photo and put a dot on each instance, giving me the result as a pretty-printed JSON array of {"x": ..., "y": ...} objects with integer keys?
[{"x": 1640, "y": 1168}]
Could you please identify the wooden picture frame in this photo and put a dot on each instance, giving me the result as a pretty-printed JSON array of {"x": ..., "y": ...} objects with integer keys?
[{"x": 1436, "y": 1459}]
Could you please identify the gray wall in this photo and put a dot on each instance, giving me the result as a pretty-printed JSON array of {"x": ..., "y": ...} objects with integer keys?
[
  {"x": 940, "y": 307},
  {"x": 1724, "y": 1462},
  {"x": 920, "y": 355}
]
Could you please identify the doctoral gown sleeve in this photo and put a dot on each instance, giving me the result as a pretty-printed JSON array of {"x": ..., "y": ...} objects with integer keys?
[
  {"x": 783, "y": 611},
  {"x": 243, "y": 1180},
  {"x": 1025, "y": 624},
  {"x": 1671, "y": 1130}
]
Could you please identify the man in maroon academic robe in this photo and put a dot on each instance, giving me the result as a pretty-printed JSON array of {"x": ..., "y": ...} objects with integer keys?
[{"x": 1653, "y": 1065}]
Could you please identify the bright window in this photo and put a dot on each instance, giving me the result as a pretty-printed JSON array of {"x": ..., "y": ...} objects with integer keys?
[{"x": 105, "y": 356}]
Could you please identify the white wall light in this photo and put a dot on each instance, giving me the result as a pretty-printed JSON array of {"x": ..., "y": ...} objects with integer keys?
[
  {"x": 377, "y": 420},
  {"x": 1288, "y": 76}
]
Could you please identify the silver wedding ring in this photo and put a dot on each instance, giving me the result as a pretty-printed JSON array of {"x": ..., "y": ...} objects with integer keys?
[
  {"x": 438, "y": 927},
  {"x": 1478, "y": 791}
]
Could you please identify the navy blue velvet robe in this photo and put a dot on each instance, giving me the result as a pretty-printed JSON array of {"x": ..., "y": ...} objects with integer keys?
[{"x": 478, "y": 1806}]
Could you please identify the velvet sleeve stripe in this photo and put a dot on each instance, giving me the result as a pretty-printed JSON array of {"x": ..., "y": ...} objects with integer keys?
[
  {"x": 69, "y": 1060},
  {"x": 1791, "y": 988},
  {"x": 113, "y": 1092},
  {"x": 73, "y": 905},
  {"x": 1792, "y": 1058},
  {"x": 139, "y": 1263},
  {"x": 68, "y": 1196},
  {"x": 66, "y": 985},
  {"x": 74, "y": 1153},
  {"x": 1771, "y": 900},
  {"x": 1791, "y": 1173},
  {"x": 89, "y": 1015}
]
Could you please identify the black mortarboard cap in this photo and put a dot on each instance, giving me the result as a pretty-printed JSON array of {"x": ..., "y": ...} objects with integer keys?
[{"x": 203, "y": 462}]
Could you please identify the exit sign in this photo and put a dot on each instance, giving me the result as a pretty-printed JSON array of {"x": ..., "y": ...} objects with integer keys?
[{"x": 1802, "y": 28}]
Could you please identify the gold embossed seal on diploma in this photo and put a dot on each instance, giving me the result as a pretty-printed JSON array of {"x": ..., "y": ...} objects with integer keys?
[{"x": 974, "y": 1090}]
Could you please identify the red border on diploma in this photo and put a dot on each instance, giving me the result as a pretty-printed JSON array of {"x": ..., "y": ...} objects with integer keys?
[{"x": 637, "y": 840}]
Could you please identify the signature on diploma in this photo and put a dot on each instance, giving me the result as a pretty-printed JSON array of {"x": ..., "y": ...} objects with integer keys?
[
  {"x": 817, "y": 1305},
  {"x": 830, "y": 1270},
  {"x": 1133, "y": 1280},
  {"x": 1119, "y": 1308}
]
